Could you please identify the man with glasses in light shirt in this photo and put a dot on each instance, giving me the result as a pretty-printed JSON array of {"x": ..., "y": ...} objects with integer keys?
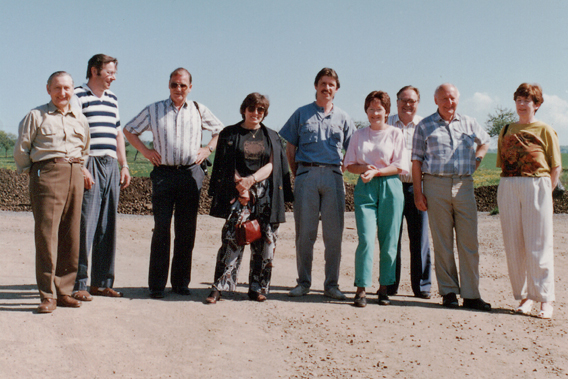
[
  {"x": 176, "y": 126},
  {"x": 406, "y": 120},
  {"x": 103, "y": 181}
]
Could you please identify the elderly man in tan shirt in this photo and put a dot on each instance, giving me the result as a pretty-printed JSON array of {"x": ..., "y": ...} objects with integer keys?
[{"x": 52, "y": 146}]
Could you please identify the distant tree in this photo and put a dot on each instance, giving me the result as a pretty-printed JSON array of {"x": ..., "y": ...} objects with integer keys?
[
  {"x": 361, "y": 124},
  {"x": 496, "y": 121},
  {"x": 7, "y": 141}
]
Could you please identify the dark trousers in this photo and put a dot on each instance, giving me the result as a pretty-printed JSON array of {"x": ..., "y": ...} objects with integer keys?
[
  {"x": 173, "y": 189},
  {"x": 420, "y": 264}
]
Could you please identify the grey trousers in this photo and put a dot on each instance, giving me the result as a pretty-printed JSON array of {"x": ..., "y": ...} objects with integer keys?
[
  {"x": 98, "y": 224},
  {"x": 451, "y": 205},
  {"x": 319, "y": 190}
]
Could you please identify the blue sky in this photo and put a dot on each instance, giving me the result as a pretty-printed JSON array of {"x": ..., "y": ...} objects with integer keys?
[{"x": 232, "y": 48}]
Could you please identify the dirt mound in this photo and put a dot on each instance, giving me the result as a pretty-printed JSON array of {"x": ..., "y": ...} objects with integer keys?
[{"x": 137, "y": 198}]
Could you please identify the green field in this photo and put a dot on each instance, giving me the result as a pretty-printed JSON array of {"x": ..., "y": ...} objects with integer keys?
[{"x": 486, "y": 175}]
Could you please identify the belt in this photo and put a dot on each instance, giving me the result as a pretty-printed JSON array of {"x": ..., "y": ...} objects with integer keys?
[
  {"x": 176, "y": 167},
  {"x": 310, "y": 164},
  {"x": 63, "y": 160}
]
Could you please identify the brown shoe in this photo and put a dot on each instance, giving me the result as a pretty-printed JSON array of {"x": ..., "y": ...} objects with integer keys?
[
  {"x": 68, "y": 301},
  {"x": 213, "y": 297},
  {"x": 108, "y": 292},
  {"x": 82, "y": 296},
  {"x": 47, "y": 306}
]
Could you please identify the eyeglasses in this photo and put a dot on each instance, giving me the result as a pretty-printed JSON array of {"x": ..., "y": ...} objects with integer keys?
[
  {"x": 176, "y": 85},
  {"x": 252, "y": 108},
  {"x": 408, "y": 101},
  {"x": 109, "y": 73}
]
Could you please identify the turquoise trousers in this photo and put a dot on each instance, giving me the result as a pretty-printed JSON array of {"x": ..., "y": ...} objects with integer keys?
[{"x": 378, "y": 212}]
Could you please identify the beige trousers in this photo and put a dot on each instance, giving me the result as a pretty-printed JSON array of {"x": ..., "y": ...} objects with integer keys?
[
  {"x": 56, "y": 194},
  {"x": 525, "y": 211},
  {"x": 451, "y": 206}
]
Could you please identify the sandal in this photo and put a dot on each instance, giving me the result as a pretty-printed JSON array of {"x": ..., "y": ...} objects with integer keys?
[
  {"x": 82, "y": 296},
  {"x": 525, "y": 307},
  {"x": 545, "y": 313}
]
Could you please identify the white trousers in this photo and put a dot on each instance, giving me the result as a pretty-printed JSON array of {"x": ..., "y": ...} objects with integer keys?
[{"x": 525, "y": 208}]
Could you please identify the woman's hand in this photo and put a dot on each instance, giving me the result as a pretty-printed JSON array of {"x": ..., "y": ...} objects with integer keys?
[
  {"x": 371, "y": 172},
  {"x": 244, "y": 197},
  {"x": 244, "y": 184}
]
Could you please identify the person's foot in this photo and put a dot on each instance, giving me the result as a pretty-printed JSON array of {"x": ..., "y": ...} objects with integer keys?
[
  {"x": 213, "y": 297},
  {"x": 157, "y": 294},
  {"x": 107, "y": 292},
  {"x": 68, "y": 301},
  {"x": 184, "y": 291},
  {"x": 383, "y": 298},
  {"x": 525, "y": 307},
  {"x": 360, "y": 300},
  {"x": 391, "y": 290},
  {"x": 82, "y": 295},
  {"x": 256, "y": 296},
  {"x": 298, "y": 291},
  {"x": 47, "y": 306},
  {"x": 423, "y": 295},
  {"x": 450, "y": 300},
  {"x": 476, "y": 304},
  {"x": 546, "y": 311},
  {"x": 334, "y": 293}
]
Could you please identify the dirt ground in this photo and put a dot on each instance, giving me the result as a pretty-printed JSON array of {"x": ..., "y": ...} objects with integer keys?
[{"x": 309, "y": 337}]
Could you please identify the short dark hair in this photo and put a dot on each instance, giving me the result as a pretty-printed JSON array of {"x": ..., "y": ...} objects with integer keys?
[
  {"x": 530, "y": 91},
  {"x": 382, "y": 97},
  {"x": 55, "y": 75},
  {"x": 408, "y": 87},
  {"x": 98, "y": 61},
  {"x": 179, "y": 70},
  {"x": 254, "y": 99},
  {"x": 326, "y": 71}
]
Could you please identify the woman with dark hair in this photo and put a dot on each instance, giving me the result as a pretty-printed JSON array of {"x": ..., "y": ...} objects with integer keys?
[
  {"x": 377, "y": 154},
  {"x": 528, "y": 153},
  {"x": 250, "y": 180}
]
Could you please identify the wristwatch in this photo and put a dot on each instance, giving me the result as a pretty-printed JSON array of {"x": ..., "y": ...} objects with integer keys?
[
  {"x": 210, "y": 148},
  {"x": 478, "y": 159}
]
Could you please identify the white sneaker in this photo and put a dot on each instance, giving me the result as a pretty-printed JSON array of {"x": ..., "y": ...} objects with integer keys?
[
  {"x": 335, "y": 293},
  {"x": 298, "y": 291}
]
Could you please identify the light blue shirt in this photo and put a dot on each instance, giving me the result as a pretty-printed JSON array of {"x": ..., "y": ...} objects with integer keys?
[
  {"x": 319, "y": 138},
  {"x": 448, "y": 148}
]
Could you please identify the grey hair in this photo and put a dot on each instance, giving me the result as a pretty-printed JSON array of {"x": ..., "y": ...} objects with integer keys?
[
  {"x": 56, "y": 74},
  {"x": 446, "y": 84}
]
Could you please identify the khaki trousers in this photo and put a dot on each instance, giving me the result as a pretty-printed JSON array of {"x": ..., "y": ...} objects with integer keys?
[
  {"x": 451, "y": 206},
  {"x": 56, "y": 194}
]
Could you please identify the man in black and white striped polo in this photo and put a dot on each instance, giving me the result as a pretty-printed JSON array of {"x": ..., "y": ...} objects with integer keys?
[
  {"x": 176, "y": 126},
  {"x": 103, "y": 180}
]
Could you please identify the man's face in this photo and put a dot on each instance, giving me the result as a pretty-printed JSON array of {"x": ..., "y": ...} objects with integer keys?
[
  {"x": 407, "y": 102},
  {"x": 105, "y": 76},
  {"x": 447, "y": 99},
  {"x": 326, "y": 88},
  {"x": 61, "y": 91},
  {"x": 179, "y": 88}
]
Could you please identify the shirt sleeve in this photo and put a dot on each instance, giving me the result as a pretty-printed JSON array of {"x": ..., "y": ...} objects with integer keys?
[
  {"x": 400, "y": 158},
  {"x": 418, "y": 143},
  {"x": 348, "y": 131},
  {"x": 553, "y": 148},
  {"x": 290, "y": 129},
  {"x": 26, "y": 134},
  {"x": 140, "y": 123},
  {"x": 482, "y": 137},
  {"x": 351, "y": 153},
  {"x": 210, "y": 121}
]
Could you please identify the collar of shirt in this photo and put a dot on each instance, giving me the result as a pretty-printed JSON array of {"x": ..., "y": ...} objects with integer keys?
[
  {"x": 51, "y": 108},
  {"x": 170, "y": 104},
  {"x": 86, "y": 87},
  {"x": 395, "y": 121},
  {"x": 439, "y": 118},
  {"x": 322, "y": 110}
]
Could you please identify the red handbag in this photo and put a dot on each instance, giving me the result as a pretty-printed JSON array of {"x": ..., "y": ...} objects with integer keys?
[{"x": 247, "y": 232}]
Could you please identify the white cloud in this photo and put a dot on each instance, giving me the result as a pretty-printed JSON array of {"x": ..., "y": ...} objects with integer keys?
[
  {"x": 554, "y": 111},
  {"x": 481, "y": 102}
]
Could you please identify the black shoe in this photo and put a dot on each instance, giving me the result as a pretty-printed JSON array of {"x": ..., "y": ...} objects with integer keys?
[
  {"x": 477, "y": 304},
  {"x": 423, "y": 295},
  {"x": 157, "y": 294},
  {"x": 450, "y": 300},
  {"x": 184, "y": 291},
  {"x": 392, "y": 290},
  {"x": 360, "y": 301},
  {"x": 256, "y": 296},
  {"x": 213, "y": 297},
  {"x": 383, "y": 299}
]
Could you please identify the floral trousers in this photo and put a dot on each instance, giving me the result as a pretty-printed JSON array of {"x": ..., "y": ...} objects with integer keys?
[{"x": 230, "y": 256}]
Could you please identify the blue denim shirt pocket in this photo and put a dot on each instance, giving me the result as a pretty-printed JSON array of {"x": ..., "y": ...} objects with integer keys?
[
  {"x": 309, "y": 133},
  {"x": 335, "y": 137}
]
